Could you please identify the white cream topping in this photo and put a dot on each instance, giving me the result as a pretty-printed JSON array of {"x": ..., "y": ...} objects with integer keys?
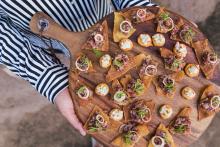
[
  {"x": 102, "y": 89},
  {"x": 126, "y": 44},
  {"x": 166, "y": 111},
  {"x": 121, "y": 98},
  {"x": 189, "y": 92},
  {"x": 159, "y": 38},
  {"x": 105, "y": 61},
  {"x": 180, "y": 49},
  {"x": 116, "y": 114},
  {"x": 145, "y": 38},
  {"x": 193, "y": 69}
]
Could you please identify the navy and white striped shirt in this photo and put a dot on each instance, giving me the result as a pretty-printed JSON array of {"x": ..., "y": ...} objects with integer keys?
[{"x": 26, "y": 55}]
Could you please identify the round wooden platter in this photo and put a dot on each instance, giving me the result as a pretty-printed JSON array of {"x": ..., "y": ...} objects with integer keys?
[{"x": 74, "y": 41}]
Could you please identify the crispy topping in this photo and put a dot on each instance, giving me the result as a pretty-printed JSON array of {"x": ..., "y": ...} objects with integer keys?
[
  {"x": 129, "y": 132},
  {"x": 140, "y": 113},
  {"x": 174, "y": 63},
  {"x": 210, "y": 103},
  {"x": 82, "y": 63},
  {"x": 158, "y": 141},
  {"x": 83, "y": 92},
  {"x": 135, "y": 87},
  {"x": 120, "y": 61},
  {"x": 209, "y": 58},
  {"x": 187, "y": 34},
  {"x": 148, "y": 68},
  {"x": 97, "y": 123},
  {"x": 125, "y": 26},
  {"x": 166, "y": 83},
  {"x": 181, "y": 125}
]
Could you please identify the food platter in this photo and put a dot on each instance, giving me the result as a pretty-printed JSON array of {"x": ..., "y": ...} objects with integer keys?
[{"x": 75, "y": 41}]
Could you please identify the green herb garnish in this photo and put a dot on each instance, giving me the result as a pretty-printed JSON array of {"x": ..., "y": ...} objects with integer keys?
[
  {"x": 97, "y": 52},
  {"x": 141, "y": 113},
  {"x": 85, "y": 60},
  {"x": 120, "y": 94},
  {"x": 169, "y": 86},
  {"x": 81, "y": 89},
  {"x": 127, "y": 137},
  {"x": 118, "y": 63},
  {"x": 93, "y": 129},
  {"x": 189, "y": 35},
  {"x": 164, "y": 16},
  {"x": 176, "y": 63},
  {"x": 180, "y": 129},
  {"x": 138, "y": 86}
]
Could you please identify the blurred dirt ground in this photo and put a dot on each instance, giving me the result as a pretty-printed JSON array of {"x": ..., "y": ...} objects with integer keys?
[{"x": 28, "y": 120}]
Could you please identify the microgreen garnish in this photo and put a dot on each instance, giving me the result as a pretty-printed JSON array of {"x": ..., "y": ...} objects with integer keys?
[
  {"x": 127, "y": 137},
  {"x": 141, "y": 113},
  {"x": 180, "y": 129},
  {"x": 117, "y": 63},
  {"x": 164, "y": 16},
  {"x": 97, "y": 52},
  {"x": 138, "y": 86}
]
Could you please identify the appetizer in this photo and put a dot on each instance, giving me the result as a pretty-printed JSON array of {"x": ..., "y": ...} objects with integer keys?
[
  {"x": 130, "y": 134},
  {"x": 181, "y": 124},
  {"x": 81, "y": 90},
  {"x": 139, "y": 111},
  {"x": 135, "y": 87},
  {"x": 165, "y": 85},
  {"x": 144, "y": 40},
  {"x": 158, "y": 39},
  {"x": 105, "y": 61},
  {"x": 83, "y": 63},
  {"x": 126, "y": 44},
  {"x": 119, "y": 95},
  {"x": 182, "y": 32},
  {"x": 187, "y": 34},
  {"x": 209, "y": 102},
  {"x": 165, "y": 111},
  {"x": 188, "y": 93},
  {"x": 97, "y": 121},
  {"x": 123, "y": 27},
  {"x": 98, "y": 39},
  {"x": 116, "y": 114},
  {"x": 139, "y": 15},
  {"x": 102, "y": 89},
  {"x": 162, "y": 138},
  {"x": 172, "y": 62},
  {"x": 192, "y": 70},
  {"x": 122, "y": 64},
  {"x": 206, "y": 56},
  {"x": 180, "y": 50},
  {"x": 165, "y": 22},
  {"x": 148, "y": 70},
  {"x": 120, "y": 61}
]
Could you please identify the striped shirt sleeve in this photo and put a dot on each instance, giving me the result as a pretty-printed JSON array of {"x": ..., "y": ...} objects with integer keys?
[
  {"x": 30, "y": 62},
  {"x": 121, "y": 4}
]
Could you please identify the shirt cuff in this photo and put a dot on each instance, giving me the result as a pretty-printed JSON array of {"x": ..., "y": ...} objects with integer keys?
[{"x": 52, "y": 81}]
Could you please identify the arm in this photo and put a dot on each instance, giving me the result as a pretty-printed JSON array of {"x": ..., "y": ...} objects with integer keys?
[{"x": 35, "y": 65}]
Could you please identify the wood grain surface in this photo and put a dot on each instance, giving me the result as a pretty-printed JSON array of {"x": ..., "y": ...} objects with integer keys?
[{"x": 74, "y": 41}]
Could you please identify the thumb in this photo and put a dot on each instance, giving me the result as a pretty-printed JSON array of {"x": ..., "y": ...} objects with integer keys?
[{"x": 74, "y": 121}]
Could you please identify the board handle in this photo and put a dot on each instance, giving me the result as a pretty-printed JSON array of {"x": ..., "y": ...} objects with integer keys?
[{"x": 43, "y": 25}]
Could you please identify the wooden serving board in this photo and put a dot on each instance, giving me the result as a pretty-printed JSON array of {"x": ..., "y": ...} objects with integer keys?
[{"x": 74, "y": 41}]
